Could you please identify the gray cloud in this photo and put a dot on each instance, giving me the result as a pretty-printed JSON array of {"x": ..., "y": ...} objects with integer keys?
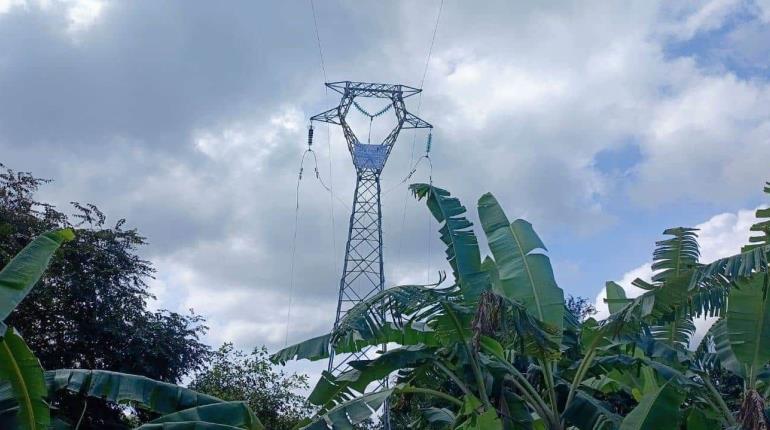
[{"x": 189, "y": 119}]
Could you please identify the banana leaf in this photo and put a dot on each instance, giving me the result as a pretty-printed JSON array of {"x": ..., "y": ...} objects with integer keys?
[
  {"x": 22, "y": 273},
  {"x": 525, "y": 273},
  {"x": 657, "y": 410},
  {"x": 155, "y": 396},
  {"x": 22, "y": 370},
  {"x": 457, "y": 233},
  {"x": 234, "y": 414}
]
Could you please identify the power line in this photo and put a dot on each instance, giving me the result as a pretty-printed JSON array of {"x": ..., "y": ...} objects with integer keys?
[
  {"x": 330, "y": 188},
  {"x": 419, "y": 106},
  {"x": 293, "y": 252},
  {"x": 318, "y": 40},
  {"x": 432, "y": 42}
]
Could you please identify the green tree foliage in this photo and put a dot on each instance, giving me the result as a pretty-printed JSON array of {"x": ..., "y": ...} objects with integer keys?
[
  {"x": 26, "y": 391},
  {"x": 580, "y": 307},
  {"x": 90, "y": 308},
  {"x": 272, "y": 395}
]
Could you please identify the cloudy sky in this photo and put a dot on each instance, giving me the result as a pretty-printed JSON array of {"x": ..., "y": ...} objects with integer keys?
[{"x": 601, "y": 122}]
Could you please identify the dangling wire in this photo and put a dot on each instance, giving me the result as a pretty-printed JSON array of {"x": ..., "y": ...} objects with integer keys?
[
  {"x": 419, "y": 106},
  {"x": 416, "y": 165},
  {"x": 329, "y": 188},
  {"x": 309, "y": 150}
]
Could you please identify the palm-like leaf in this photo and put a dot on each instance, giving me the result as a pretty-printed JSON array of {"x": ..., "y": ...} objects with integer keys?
[
  {"x": 407, "y": 311},
  {"x": 346, "y": 415},
  {"x": 733, "y": 268},
  {"x": 333, "y": 390},
  {"x": 675, "y": 333},
  {"x": 762, "y": 227},
  {"x": 525, "y": 275},
  {"x": 675, "y": 256},
  {"x": 457, "y": 233},
  {"x": 719, "y": 335}
]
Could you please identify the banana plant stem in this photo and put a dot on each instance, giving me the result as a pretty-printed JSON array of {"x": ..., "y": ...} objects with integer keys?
[
  {"x": 579, "y": 375},
  {"x": 454, "y": 378},
  {"x": 471, "y": 357},
  {"x": 718, "y": 398},
  {"x": 548, "y": 377}
]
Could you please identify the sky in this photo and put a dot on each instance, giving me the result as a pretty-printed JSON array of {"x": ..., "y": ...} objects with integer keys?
[{"x": 602, "y": 123}]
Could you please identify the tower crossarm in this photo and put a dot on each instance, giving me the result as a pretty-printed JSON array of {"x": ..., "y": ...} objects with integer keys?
[
  {"x": 412, "y": 121},
  {"x": 368, "y": 89},
  {"x": 332, "y": 116},
  {"x": 367, "y": 155}
]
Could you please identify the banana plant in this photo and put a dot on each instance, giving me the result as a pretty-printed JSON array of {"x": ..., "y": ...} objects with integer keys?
[
  {"x": 481, "y": 349},
  {"x": 496, "y": 348}
]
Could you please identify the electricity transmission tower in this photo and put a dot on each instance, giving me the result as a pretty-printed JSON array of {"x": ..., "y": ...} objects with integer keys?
[{"x": 362, "y": 274}]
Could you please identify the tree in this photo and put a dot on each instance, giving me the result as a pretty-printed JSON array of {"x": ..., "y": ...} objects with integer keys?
[
  {"x": 25, "y": 388},
  {"x": 90, "y": 309},
  {"x": 580, "y": 307},
  {"x": 235, "y": 375}
]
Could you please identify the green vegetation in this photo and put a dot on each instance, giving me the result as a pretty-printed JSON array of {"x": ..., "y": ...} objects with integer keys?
[
  {"x": 498, "y": 347},
  {"x": 234, "y": 375},
  {"x": 89, "y": 311},
  {"x": 25, "y": 387}
]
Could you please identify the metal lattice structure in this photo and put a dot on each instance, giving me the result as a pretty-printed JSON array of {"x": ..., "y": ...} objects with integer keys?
[{"x": 363, "y": 274}]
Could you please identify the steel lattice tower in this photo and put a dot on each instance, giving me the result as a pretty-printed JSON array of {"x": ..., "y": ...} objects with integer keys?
[{"x": 362, "y": 274}]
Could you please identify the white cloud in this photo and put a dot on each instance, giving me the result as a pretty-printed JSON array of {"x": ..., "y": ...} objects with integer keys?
[
  {"x": 705, "y": 16},
  {"x": 724, "y": 234},
  {"x": 80, "y": 14},
  {"x": 708, "y": 142},
  {"x": 83, "y": 13},
  {"x": 7, "y": 5},
  {"x": 249, "y": 143}
]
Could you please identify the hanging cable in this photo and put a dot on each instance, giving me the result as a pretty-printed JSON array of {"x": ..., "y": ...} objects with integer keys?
[
  {"x": 329, "y": 188},
  {"x": 318, "y": 41},
  {"x": 416, "y": 165},
  {"x": 419, "y": 106},
  {"x": 294, "y": 236},
  {"x": 317, "y": 174}
]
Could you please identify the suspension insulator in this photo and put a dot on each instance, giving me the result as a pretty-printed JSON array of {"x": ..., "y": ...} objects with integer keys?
[
  {"x": 427, "y": 145},
  {"x": 310, "y": 135}
]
